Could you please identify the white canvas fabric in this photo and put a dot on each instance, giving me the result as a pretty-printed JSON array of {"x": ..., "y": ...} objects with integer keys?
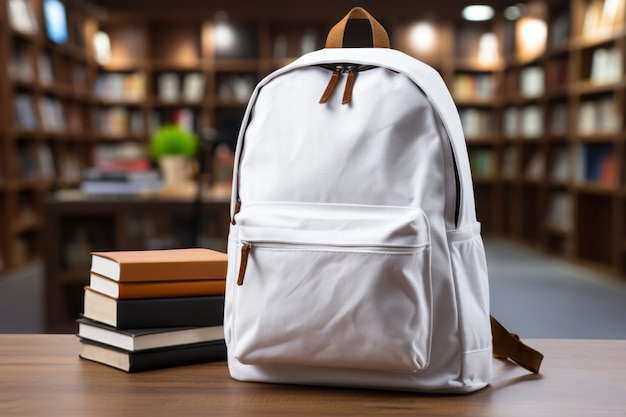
[{"x": 355, "y": 257}]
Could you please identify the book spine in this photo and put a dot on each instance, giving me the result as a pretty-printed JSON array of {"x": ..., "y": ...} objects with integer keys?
[
  {"x": 171, "y": 289},
  {"x": 170, "y": 312}
]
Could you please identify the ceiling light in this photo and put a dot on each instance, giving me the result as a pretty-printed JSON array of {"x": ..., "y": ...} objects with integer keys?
[
  {"x": 423, "y": 36},
  {"x": 515, "y": 12},
  {"x": 478, "y": 12}
]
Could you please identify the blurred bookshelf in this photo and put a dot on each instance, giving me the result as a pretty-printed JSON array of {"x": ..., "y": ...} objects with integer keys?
[{"x": 543, "y": 119}]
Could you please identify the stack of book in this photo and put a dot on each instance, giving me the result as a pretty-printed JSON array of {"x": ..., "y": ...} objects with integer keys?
[{"x": 152, "y": 309}]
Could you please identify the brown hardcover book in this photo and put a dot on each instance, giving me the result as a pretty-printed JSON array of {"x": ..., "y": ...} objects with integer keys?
[
  {"x": 160, "y": 265},
  {"x": 156, "y": 289}
]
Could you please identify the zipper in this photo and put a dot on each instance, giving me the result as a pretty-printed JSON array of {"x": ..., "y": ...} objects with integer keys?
[
  {"x": 381, "y": 249},
  {"x": 351, "y": 70}
]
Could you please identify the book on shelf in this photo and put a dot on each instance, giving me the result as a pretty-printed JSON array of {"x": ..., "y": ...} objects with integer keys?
[
  {"x": 160, "y": 265},
  {"x": 193, "y": 87},
  {"x": 29, "y": 168},
  {"x": 559, "y": 119},
  {"x": 154, "y": 289},
  {"x": 560, "y": 171},
  {"x": 168, "y": 86},
  {"x": 532, "y": 81},
  {"x": 237, "y": 87},
  {"x": 595, "y": 163},
  {"x": 154, "y": 312},
  {"x": 120, "y": 188},
  {"x": 510, "y": 162},
  {"x": 598, "y": 116},
  {"x": 45, "y": 161},
  {"x": 560, "y": 28},
  {"x": 120, "y": 174},
  {"x": 119, "y": 86},
  {"x": 473, "y": 86},
  {"x": 557, "y": 74},
  {"x": 25, "y": 112},
  {"x": 112, "y": 121},
  {"x": 531, "y": 121},
  {"x": 21, "y": 16},
  {"x": 476, "y": 122},
  {"x": 44, "y": 70},
  {"x": 147, "y": 338},
  {"x": 535, "y": 170},
  {"x": 511, "y": 122},
  {"x": 560, "y": 211},
  {"x": 120, "y": 181},
  {"x": 79, "y": 78},
  {"x": 482, "y": 162},
  {"x": 606, "y": 65},
  {"x": 152, "y": 359},
  {"x": 602, "y": 17},
  {"x": 52, "y": 114},
  {"x": 19, "y": 66}
]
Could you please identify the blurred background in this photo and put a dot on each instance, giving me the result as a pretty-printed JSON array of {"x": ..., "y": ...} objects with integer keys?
[{"x": 102, "y": 97}]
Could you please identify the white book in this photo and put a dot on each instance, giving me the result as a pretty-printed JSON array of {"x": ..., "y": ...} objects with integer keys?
[
  {"x": 21, "y": 16},
  {"x": 532, "y": 81},
  {"x": 532, "y": 121},
  {"x": 470, "y": 120},
  {"x": 169, "y": 86},
  {"x": 193, "y": 87},
  {"x": 587, "y": 118}
]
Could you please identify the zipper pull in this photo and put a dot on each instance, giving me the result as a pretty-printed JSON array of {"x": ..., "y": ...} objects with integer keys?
[
  {"x": 347, "y": 92},
  {"x": 245, "y": 251},
  {"x": 332, "y": 83}
]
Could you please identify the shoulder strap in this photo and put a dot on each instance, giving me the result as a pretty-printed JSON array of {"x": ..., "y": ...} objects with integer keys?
[{"x": 509, "y": 346}]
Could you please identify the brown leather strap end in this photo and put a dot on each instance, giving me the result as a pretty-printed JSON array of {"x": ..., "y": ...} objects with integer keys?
[{"x": 509, "y": 346}]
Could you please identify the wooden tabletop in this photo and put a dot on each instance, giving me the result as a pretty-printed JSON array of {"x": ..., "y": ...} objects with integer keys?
[{"x": 41, "y": 375}]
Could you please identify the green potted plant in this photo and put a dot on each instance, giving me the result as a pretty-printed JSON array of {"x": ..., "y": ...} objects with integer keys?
[{"x": 173, "y": 147}]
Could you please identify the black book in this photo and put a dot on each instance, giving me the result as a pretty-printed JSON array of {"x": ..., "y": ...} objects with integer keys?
[
  {"x": 151, "y": 359},
  {"x": 154, "y": 312}
]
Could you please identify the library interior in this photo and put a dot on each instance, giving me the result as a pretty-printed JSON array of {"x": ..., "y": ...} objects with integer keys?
[{"x": 94, "y": 93}]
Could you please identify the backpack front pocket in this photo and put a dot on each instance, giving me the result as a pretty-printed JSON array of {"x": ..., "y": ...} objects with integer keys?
[{"x": 344, "y": 286}]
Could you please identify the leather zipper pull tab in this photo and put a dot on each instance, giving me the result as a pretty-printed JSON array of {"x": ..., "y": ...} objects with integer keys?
[
  {"x": 347, "y": 92},
  {"x": 332, "y": 83},
  {"x": 245, "y": 252}
]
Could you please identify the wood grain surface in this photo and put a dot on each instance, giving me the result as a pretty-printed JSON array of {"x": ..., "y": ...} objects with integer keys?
[{"x": 41, "y": 375}]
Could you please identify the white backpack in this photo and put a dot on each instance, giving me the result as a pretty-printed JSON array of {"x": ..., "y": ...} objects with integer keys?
[{"x": 355, "y": 257}]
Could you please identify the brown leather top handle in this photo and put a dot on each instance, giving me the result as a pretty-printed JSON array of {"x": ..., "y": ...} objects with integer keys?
[{"x": 379, "y": 34}]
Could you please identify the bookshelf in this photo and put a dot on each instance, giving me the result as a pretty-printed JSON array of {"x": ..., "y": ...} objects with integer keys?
[
  {"x": 44, "y": 125},
  {"x": 543, "y": 121}
]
